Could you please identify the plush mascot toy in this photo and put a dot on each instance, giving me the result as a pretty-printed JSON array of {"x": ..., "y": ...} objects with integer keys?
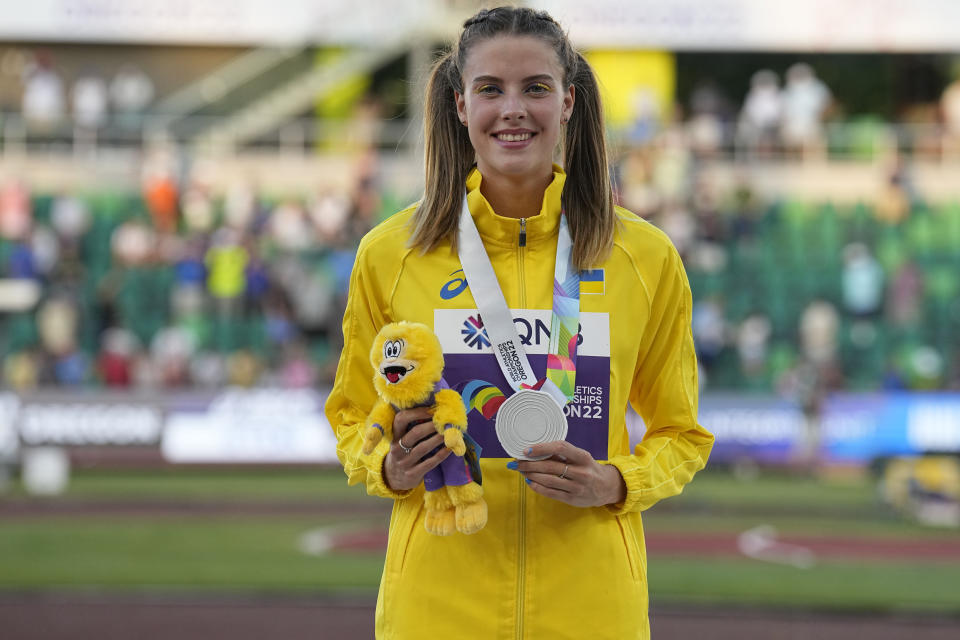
[{"x": 408, "y": 367}]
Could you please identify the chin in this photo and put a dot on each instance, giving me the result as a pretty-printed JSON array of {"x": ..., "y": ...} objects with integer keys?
[{"x": 518, "y": 168}]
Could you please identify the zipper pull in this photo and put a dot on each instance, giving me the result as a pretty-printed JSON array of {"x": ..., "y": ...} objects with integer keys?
[{"x": 523, "y": 232}]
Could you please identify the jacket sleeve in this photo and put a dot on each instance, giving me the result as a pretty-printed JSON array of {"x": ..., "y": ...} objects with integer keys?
[
  {"x": 664, "y": 392},
  {"x": 353, "y": 395}
]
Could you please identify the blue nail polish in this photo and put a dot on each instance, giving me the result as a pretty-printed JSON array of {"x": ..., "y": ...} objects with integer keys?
[
  {"x": 527, "y": 480},
  {"x": 529, "y": 451},
  {"x": 512, "y": 465}
]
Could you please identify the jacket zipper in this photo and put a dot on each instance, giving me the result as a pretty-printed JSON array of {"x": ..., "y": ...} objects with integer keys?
[{"x": 522, "y": 533}]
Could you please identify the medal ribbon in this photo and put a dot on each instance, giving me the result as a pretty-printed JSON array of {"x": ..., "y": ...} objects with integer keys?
[{"x": 560, "y": 381}]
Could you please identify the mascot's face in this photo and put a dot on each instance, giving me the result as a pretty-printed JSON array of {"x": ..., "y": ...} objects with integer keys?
[{"x": 408, "y": 361}]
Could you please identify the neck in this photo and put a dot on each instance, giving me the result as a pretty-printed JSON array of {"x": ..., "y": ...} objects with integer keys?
[{"x": 514, "y": 197}]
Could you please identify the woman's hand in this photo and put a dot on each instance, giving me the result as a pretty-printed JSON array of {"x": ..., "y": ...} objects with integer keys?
[
  {"x": 406, "y": 464},
  {"x": 571, "y": 475}
]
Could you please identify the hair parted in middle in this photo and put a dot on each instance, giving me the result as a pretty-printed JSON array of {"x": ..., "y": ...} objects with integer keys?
[{"x": 587, "y": 198}]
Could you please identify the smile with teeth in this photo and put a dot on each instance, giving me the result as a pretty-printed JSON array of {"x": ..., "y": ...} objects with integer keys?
[{"x": 514, "y": 137}]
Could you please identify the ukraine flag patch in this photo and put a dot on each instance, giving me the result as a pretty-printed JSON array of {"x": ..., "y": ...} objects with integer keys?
[{"x": 591, "y": 282}]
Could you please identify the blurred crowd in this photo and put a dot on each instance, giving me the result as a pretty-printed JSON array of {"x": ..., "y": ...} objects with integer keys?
[
  {"x": 177, "y": 286},
  {"x": 791, "y": 295},
  {"x": 181, "y": 285},
  {"x": 86, "y": 100}
]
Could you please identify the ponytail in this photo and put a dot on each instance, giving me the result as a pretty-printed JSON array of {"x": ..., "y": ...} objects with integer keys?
[
  {"x": 448, "y": 159},
  {"x": 587, "y": 194}
]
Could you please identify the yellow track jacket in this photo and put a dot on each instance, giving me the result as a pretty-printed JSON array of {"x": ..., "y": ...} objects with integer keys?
[{"x": 540, "y": 568}]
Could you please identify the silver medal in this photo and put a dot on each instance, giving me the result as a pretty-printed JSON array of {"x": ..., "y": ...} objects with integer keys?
[{"x": 529, "y": 417}]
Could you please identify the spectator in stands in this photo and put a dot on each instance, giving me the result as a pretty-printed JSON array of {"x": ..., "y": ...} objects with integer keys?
[
  {"x": 863, "y": 282},
  {"x": 133, "y": 243},
  {"x": 16, "y": 214},
  {"x": 257, "y": 276},
  {"x": 226, "y": 262},
  {"x": 298, "y": 370},
  {"x": 21, "y": 370},
  {"x": 70, "y": 217},
  {"x": 897, "y": 193},
  {"x": 819, "y": 327},
  {"x": 89, "y": 100},
  {"x": 905, "y": 296},
  {"x": 131, "y": 91},
  {"x": 637, "y": 191},
  {"x": 20, "y": 262},
  {"x": 57, "y": 324},
  {"x": 49, "y": 263},
  {"x": 710, "y": 221},
  {"x": 171, "y": 350},
  {"x": 677, "y": 222},
  {"x": 43, "y": 95},
  {"x": 208, "y": 370},
  {"x": 950, "y": 109},
  {"x": 115, "y": 364},
  {"x": 161, "y": 186},
  {"x": 753, "y": 337},
  {"x": 671, "y": 170},
  {"x": 329, "y": 213},
  {"x": 243, "y": 368},
  {"x": 709, "y": 330},
  {"x": 758, "y": 127},
  {"x": 240, "y": 206},
  {"x": 926, "y": 368},
  {"x": 710, "y": 110},
  {"x": 805, "y": 103},
  {"x": 288, "y": 227},
  {"x": 160, "y": 195},
  {"x": 645, "y": 121}
]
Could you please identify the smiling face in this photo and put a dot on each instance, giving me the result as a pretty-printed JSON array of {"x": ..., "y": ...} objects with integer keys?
[
  {"x": 394, "y": 366},
  {"x": 513, "y": 102},
  {"x": 407, "y": 361}
]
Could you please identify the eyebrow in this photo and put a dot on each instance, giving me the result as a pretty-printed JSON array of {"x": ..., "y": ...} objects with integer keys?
[{"x": 541, "y": 77}]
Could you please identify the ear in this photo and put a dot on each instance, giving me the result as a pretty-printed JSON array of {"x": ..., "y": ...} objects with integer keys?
[
  {"x": 461, "y": 107},
  {"x": 568, "y": 99}
]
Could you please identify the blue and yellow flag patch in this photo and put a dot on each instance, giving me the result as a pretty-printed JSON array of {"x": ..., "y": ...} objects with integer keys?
[{"x": 591, "y": 282}]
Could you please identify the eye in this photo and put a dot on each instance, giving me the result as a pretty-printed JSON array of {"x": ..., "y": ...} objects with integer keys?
[
  {"x": 391, "y": 349},
  {"x": 539, "y": 87},
  {"x": 488, "y": 90}
]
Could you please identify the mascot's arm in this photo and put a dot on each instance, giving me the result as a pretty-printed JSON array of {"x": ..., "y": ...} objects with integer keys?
[
  {"x": 664, "y": 393},
  {"x": 353, "y": 396},
  {"x": 379, "y": 424},
  {"x": 450, "y": 419}
]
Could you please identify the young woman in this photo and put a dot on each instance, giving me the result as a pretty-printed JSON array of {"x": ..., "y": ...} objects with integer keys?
[{"x": 562, "y": 554}]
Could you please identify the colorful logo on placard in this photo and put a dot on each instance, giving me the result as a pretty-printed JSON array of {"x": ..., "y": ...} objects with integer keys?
[{"x": 474, "y": 334}]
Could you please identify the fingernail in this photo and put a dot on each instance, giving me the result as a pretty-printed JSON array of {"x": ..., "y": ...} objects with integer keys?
[
  {"x": 529, "y": 451},
  {"x": 512, "y": 465},
  {"x": 527, "y": 480}
]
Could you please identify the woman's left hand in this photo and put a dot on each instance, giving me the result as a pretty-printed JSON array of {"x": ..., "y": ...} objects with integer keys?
[{"x": 571, "y": 475}]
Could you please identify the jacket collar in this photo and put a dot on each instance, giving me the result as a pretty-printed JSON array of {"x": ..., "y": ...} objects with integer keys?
[{"x": 505, "y": 231}]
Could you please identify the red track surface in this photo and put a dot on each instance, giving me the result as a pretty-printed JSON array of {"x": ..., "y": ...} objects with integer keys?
[{"x": 101, "y": 617}]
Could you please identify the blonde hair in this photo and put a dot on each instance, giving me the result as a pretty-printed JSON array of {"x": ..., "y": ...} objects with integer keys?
[{"x": 587, "y": 198}]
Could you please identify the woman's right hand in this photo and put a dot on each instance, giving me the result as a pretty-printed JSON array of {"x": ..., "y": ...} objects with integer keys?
[{"x": 402, "y": 470}]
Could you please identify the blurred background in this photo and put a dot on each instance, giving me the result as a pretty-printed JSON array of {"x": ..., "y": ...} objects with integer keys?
[{"x": 182, "y": 190}]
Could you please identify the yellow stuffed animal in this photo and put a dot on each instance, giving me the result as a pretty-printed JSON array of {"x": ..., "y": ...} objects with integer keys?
[{"x": 408, "y": 365}]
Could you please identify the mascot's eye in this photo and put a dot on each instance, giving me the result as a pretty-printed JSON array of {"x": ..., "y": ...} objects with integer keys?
[{"x": 392, "y": 348}]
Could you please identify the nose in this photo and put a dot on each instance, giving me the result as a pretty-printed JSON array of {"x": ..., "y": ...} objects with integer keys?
[{"x": 513, "y": 107}]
